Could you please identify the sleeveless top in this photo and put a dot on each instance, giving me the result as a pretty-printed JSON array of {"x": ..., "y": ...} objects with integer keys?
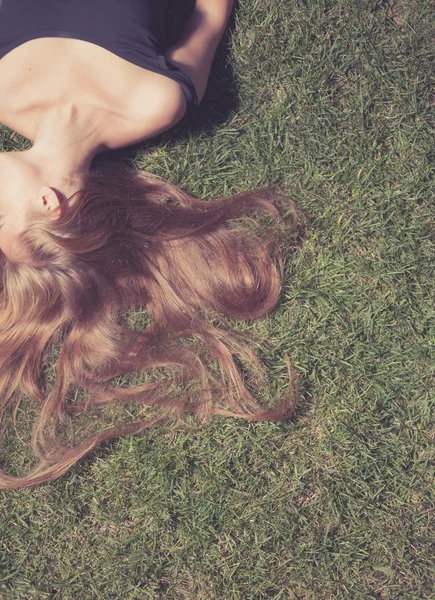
[{"x": 132, "y": 29}]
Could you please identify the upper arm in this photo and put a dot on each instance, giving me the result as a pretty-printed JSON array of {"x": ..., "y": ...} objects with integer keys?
[{"x": 195, "y": 50}]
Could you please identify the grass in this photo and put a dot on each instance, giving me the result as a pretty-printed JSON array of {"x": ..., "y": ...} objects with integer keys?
[{"x": 335, "y": 99}]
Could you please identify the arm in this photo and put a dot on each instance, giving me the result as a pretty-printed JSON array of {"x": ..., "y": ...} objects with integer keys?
[{"x": 195, "y": 50}]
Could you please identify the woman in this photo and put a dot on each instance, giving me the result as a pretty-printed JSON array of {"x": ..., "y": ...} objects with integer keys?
[{"x": 81, "y": 244}]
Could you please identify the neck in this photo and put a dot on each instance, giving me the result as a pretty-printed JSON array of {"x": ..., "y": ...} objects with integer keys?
[{"x": 66, "y": 142}]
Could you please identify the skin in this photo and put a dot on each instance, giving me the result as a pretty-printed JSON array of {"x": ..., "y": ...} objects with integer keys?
[{"x": 53, "y": 95}]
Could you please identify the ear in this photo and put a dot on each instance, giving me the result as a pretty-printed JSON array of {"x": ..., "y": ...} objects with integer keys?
[{"x": 49, "y": 202}]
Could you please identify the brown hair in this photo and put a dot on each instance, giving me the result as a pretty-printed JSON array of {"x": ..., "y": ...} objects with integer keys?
[{"x": 130, "y": 240}]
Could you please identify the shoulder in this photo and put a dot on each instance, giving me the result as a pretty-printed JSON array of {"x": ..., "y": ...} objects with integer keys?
[
  {"x": 154, "y": 106},
  {"x": 158, "y": 104}
]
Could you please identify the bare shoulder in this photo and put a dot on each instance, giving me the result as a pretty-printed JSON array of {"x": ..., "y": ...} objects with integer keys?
[
  {"x": 136, "y": 103},
  {"x": 156, "y": 105}
]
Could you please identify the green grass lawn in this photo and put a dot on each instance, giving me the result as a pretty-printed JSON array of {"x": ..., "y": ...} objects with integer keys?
[{"x": 336, "y": 99}]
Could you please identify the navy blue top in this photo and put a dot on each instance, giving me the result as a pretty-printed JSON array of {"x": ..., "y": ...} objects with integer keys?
[{"x": 131, "y": 29}]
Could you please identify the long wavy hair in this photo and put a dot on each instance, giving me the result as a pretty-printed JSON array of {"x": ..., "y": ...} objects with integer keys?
[{"x": 131, "y": 241}]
